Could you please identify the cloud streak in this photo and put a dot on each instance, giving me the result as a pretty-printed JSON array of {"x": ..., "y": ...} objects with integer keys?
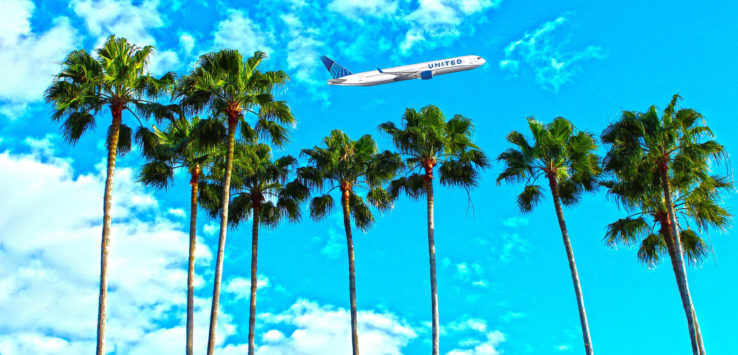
[{"x": 541, "y": 50}]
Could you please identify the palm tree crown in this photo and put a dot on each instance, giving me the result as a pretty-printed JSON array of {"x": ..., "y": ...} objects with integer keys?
[
  {"x": 347, "y": 164},
  {"x": 116, "y": 78},
  {"x": 176, "y": 147},
  {"x": 231, "y": 88},
  {"x": 560, "y": 153},
  {"x": 697, "y": 201},
  {"x": 427, "y": 138},
  {"x": 258, "y": 180}
]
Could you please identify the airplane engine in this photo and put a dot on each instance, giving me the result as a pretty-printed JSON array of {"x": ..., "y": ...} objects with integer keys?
[{"x": 425, "y": 75}]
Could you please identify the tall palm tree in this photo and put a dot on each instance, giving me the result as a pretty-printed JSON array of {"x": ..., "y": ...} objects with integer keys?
[
  {"x": 114, "y": 79},
  {"x": 662, "y": 148},
  {"x": 565, "y": 157},
  {"x": 259, "y": 190},
  {"x": 347, "y": 165},
  {"x": 177, "y": 147},
  {"x": 232, "y": 88},
  {"x": 427, "y": 139}
]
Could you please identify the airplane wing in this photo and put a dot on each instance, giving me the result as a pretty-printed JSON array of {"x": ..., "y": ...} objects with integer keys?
[{"x": 401, "y": 73}]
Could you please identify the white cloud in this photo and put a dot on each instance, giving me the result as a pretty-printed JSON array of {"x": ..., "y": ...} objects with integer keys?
[
  {"x": 513, "y": 246},
  {"x": 479, "y": 340},
  {"x": 355, "y": 9},
  {"x": 335, "y": 245},
  {"x": 552, "y": 65},
  {"x": 438, "y": 22},
  {"x": 326, "y": 330},
  {"x": 120, "y": 17},
  {"x": 514, "y": 222},
  {"x": 49, "y": 264},
  {"x": 303, "y": 51},
  {"x": 562, "y": 347},
  {"x": 471, "y": 273},
  {"x": 211, "y": 229},
  {"x": 239, "y": 32},
  {"x": 177, "y": 212},
  {"x": 28, "y": 59},
  {"x": 510, "y": 315},
  {"x": 187, "y": 42},
  {"x": 240, "y": 287},
  {"x": 273, "y": 336},
  {"x": 163, "y": 62}
]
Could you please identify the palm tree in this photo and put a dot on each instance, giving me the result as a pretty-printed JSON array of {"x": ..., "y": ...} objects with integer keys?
[
  {"x": 116, "y": 79},
  {"x": 174, "y": 148},
  {"x": 565, "y": 157},
  {"x": 426, "y": 139},
  {"x": 663, "y": 149},
  {"x": 345, "y": 164},
  {"x": 259, "y": 190},
  {"x": 231, "y": 88}
]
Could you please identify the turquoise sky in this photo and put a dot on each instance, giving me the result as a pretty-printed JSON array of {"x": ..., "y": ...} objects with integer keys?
[{"x": 503, "y": 278}]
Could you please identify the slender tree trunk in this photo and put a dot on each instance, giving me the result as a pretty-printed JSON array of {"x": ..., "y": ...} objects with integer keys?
[
  {"x": 675, "y": 266},
  {"x": 680, "y": 270},
  {"x": 232, "y": 121},
  {"x": 345, "y": 194},
  {"x": 572, "y": 265},
  {"x": 432, "y": 257},
  {"x": 105, "y": 243},
  {"x": 191, "y": 260},
  {"x": 254, "y": 253}
]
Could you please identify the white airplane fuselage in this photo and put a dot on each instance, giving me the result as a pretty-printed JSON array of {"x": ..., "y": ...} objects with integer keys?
[{"x": 426, "y": 70}]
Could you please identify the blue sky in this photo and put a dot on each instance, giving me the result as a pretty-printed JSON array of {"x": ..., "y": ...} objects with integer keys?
[{"x": 504, "y": 283}]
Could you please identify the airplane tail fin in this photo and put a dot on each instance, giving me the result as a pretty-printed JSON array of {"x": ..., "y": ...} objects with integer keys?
[{"x": 334, "y": 68}]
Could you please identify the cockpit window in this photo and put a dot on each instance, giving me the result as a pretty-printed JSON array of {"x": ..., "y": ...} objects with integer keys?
[{"x": 479, "y": 57}]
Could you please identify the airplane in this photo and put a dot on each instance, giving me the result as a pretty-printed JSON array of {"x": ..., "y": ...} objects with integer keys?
[{"x": 424, "y": 71}]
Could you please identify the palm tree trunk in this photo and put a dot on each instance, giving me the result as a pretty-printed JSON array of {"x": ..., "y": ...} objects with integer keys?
[
  {"x": 254, "y": 250},
  {"x": 572, "y": 265},
  {"x": 432, "y": 255},
  {"x": 105, "y": 243},
  {"x": 352, "y": 279},
  {"x": 232, "y": 121},
  {"x": 675, "y": 266},
  {"x": 191, "y": 260},
  {"x": 680, "y": 270}
]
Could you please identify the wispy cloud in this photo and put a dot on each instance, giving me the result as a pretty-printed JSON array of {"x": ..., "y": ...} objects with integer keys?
[
  {"x": 121, "y": 17},
  {"x": 239, "y": 31},
  {"x": 477, "y": 338},
  {"x": 514, "y": 222},
  {"x": 513, "y": 246},
  {"x": 29, "y": 58},
  {"x": 544, "y": 52},
  {"x": 325, "y": 330}
]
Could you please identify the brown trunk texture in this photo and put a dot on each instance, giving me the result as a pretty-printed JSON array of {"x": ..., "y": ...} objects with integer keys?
[
  {"x": 680, "y": 270},
  {"x": 254, "y": 285},
  {"x": 191, "y": 259},
  {"x": 572, "y": 266},
  {"x": 345, "y": 194},
  {"x": 432, "y": 259},
  {"x": 232, "y": 122},
  {"x": 105, "y": 243}
]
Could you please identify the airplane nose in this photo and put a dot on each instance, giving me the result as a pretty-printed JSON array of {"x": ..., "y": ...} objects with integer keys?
[{"x": 482, "y": 61}]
